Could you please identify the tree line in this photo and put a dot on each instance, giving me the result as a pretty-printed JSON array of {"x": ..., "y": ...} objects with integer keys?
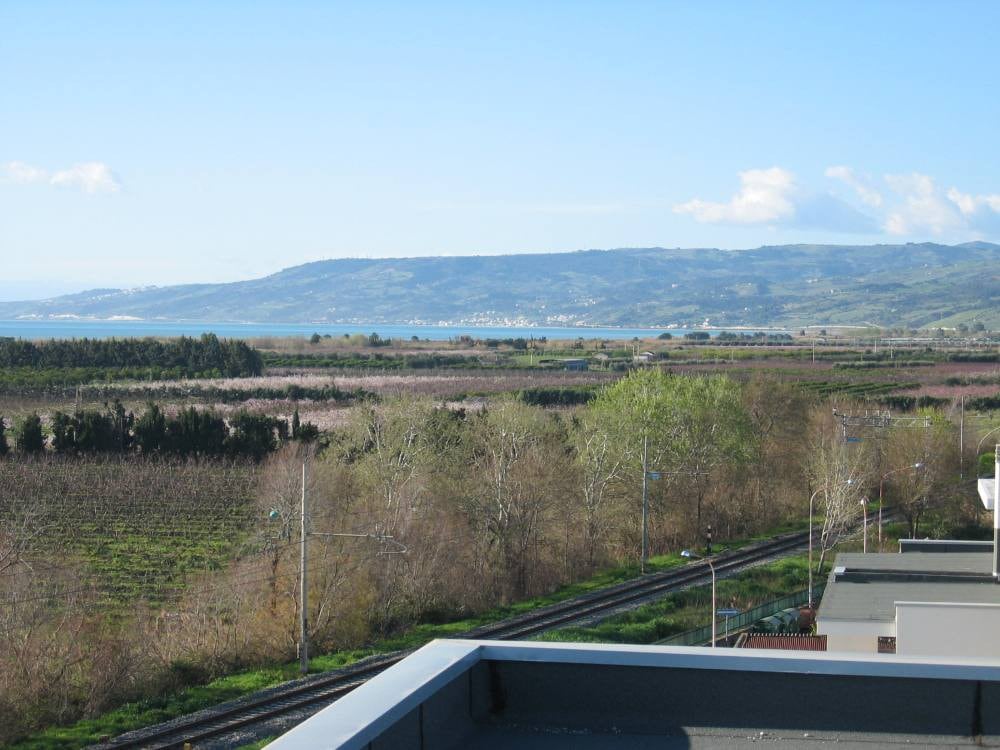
[
  {"x": 188, "y": 433},
  {"x": 205, "y": 355}
]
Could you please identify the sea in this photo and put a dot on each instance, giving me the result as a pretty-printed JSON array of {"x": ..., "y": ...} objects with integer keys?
[{"x": 103, "y": 329}]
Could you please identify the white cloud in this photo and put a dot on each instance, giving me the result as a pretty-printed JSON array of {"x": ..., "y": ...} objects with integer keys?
[
  {"x": 923, "y": 209},
  {"x": 765, "y": 197},
  {"x": 773, "y": 197},
  {"x": 970, "y": 204},
  {"x": 18, "y": 171},
  {"x": 911, "y": 205},
  {"x": 91, "y": 177},
  {"x": 862, "y": 187}
]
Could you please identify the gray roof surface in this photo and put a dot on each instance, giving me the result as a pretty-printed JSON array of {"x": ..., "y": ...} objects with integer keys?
[
  {"x": 918, "y": 562},
  {"x": 526, "y": 738},
  {"x": 851, "y": 600}
]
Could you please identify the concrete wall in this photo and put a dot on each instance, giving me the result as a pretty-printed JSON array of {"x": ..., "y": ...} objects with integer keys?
[
  {"x": 859, "y": 637},
  {"x": 948, "y": 629}
]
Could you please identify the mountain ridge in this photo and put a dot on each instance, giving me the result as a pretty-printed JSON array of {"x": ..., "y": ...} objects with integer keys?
[{"x": 915, "y": 284}]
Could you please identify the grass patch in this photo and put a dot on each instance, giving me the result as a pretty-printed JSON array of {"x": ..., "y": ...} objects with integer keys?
[
  {"x": 258, "y": 744},
  {"x": 692, "y": 608}
]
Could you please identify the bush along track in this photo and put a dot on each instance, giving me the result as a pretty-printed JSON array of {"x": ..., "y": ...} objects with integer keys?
[{"x": 312, "y": 693}]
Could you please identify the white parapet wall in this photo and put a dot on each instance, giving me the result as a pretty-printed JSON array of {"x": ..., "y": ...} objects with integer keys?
[
  {"x": 987, "y": 492},
  {"x": 854, "y": 636},
  {"x": 948, "y": 629}
]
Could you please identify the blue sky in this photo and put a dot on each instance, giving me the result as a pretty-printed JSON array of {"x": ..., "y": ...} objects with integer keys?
[{"x": 152, "y": 143}]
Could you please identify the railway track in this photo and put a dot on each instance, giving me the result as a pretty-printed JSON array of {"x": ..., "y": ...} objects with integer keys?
[{"x": 302, "y": 695}]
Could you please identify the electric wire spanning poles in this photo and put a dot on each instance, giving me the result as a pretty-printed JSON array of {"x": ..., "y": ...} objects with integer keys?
[
  {"x": 876, "y": 420},
  {"x": 304, "y": 534},
  {"x": 979, "y": 447}
]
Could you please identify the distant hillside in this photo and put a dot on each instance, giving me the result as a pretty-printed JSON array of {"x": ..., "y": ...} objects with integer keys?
[{"x": 914, "y": 284}]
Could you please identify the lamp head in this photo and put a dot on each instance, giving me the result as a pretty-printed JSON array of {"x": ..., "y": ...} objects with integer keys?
[{"x": 918, "y": 465}]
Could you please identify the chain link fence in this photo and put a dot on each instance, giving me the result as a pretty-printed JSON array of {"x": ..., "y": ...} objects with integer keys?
[{"x": 742, "y": 621}]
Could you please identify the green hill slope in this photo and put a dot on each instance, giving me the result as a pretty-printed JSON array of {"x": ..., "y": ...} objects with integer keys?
[{"x": 914, "y": 284}]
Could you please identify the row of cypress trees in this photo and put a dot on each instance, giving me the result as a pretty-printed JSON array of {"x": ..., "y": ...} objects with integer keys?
[{"x": 190, "y": 433}]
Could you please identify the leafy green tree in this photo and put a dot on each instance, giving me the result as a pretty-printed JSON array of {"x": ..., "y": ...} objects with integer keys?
[
  {"x": 29, "y": 435},
  {"x": 63, "y": 433},
  {"x": 94, "y": 432},
  {"x": 687, "y": 427},
  {"x": 197, "y": 433},
  {"x": 308, "y": 432},
  {"x": 121, "y": 424},
  {"x": 251, "y": 435},
  {"x": 4, "y": 448},
  {"x": 295, "y": 424},
  {"x": 151, "y": 430}
]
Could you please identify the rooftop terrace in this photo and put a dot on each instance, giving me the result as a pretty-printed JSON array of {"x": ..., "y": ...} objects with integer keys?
[{"x": 485, "y": 695}]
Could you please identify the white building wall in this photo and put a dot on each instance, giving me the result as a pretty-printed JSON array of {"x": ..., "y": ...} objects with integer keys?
[
  {"x": 854, "y": 636},
  {"x": 948, "y": 629}
]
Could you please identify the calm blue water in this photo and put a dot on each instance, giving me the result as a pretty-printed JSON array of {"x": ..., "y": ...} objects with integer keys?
[{"x": 101, "y": 329}]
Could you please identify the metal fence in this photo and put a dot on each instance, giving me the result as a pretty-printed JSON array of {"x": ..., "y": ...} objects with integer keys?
[{"x": 700, "y": 636}]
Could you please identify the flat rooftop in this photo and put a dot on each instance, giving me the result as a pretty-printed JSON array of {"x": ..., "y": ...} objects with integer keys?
[
  {"x": 918, "y": 562},
  {"x": 489, "y": 695},
  {"x": 866, "y": 587}
]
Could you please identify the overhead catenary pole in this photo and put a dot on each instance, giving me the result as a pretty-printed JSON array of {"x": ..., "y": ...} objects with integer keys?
[
  {"x": 303, "y": 583},
  {"x": 304, "y": 533}
]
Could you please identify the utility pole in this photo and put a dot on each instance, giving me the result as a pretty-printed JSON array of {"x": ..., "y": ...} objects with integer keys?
[
  {"x": 645, "y": 505},
  {"x": 303, "y": 584}
]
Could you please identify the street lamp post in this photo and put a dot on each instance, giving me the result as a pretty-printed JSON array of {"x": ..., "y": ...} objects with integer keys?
[
  {"x": 694, "y": 555},
  {"x": 864, "y": 527},
  {"x": 983, "y": 440},
  {"x": 881, "y": 482}
]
